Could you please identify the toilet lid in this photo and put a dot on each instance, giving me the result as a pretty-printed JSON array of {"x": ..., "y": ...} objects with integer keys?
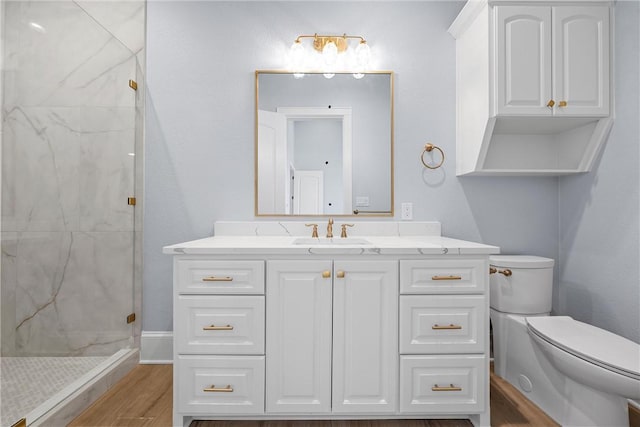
[
  {"x": 603, "y": 348},
  {"x": 520, "y": 261}
]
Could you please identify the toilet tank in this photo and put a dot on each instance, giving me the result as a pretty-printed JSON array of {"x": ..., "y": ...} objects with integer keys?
[{"x": 521, "y": 284}]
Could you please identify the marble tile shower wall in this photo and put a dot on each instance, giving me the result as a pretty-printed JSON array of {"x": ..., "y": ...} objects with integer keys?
[{"x": 69, "y": 126}]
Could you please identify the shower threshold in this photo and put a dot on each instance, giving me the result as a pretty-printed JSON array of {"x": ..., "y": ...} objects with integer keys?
[{"x": 58, "y": 409}]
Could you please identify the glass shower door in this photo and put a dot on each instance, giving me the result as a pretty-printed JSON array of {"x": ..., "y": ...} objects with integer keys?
[{"x": 68, "y": 169}]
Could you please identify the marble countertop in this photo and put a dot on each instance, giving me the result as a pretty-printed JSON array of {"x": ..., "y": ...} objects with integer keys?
[{"x": 248, "y": 241}]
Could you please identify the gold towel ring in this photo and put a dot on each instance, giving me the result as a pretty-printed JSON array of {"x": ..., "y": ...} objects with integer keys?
[{"x": 427, "y": 149}]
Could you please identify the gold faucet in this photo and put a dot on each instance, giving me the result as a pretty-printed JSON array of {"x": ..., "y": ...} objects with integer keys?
[
  {"x": 344, "y": 230},
  {"x": 314, "y": 233},
  {"x": 330, "y": 228}
]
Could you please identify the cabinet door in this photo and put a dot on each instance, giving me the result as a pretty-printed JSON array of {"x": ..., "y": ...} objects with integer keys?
[
  {"x": 298, "y": 336},
  {"x": 365, "y": 336},
  {"x": 581, "y": 60},
  {"x": 523, "y": 60}
]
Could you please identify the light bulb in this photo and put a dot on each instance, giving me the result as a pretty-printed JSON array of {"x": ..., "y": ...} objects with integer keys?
[
  {"x": 297, "y": 56},
  {"x": 363, "y": 55},
  {"x": 330, "y": 53},
  {"x": 329, "y": 75},
  {"x": 358, "y": 75}
]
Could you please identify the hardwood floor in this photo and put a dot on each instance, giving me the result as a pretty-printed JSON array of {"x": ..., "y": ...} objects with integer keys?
[{"x": 144, "y": 399}]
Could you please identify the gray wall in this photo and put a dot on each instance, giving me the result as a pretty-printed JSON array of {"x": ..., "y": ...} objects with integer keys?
[
  {"x": 200, "y": 125},
  {"x": 318, "y": 147},
  {"x": 599, "y": 258}
]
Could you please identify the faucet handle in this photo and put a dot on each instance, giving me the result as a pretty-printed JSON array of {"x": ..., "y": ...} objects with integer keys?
[
  {"x": 344, "y": 229},
  {"x": 314, "y": 232}
]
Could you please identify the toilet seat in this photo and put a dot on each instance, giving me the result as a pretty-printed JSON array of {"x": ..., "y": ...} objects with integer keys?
[{"x": 592, "y": 344}]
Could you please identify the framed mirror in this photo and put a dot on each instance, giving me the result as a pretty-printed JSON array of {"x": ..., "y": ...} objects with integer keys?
[{"x": 324, "y": 146}]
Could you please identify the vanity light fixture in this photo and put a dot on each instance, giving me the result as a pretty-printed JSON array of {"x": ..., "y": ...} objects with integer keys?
[{"x": 332, "y": 53}]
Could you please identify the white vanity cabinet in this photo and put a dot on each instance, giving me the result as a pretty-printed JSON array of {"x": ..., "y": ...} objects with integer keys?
[
  {"x": 332, "y": 336},
  {"x": 395, "y": 329},
  {"x": 219, "y": 327},
  {"x": 552, "y": 60},
  {"x": 443, "y": 335}
]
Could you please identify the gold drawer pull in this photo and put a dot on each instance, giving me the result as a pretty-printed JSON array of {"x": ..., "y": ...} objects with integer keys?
[
  {"x": 450, "y": 387},
  {"x": 451, "y": 326},
  {"x": 326, "y": 274},
  {"x": 218, "y": 328},
  {"x": 450, "y": 277},
  {"x": 217, "y": 279},
  {"x": 340, "y": 274},
  {"x": 213, "y": 389}
]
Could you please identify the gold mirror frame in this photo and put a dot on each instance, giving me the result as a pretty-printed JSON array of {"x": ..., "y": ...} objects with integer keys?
[{"x": 357, "y": 212}]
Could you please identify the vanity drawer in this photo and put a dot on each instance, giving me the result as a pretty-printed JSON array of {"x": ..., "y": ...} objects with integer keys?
[
  {"x": 442, "y": 384},
  {"x": 220, "y": 324},
  {"x": 446, "y": 276},
  {"x": 220, "y": 385},
  {"x": 442, "y": 324},
  {"x": 219, "y": 277}
]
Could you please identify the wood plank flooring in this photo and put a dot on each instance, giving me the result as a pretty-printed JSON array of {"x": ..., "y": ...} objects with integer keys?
[{"x": 144, "y": 399}]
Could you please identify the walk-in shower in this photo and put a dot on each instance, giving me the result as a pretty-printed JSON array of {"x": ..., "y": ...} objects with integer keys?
[{"x": 71, "y": 172}]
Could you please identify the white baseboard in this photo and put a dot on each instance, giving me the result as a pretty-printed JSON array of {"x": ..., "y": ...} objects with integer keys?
[{"x": 156, "y": 347}]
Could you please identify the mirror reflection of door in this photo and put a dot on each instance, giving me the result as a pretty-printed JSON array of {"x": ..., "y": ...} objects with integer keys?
[
  {"x": 320, "y": 139},
  {"x": 364, "y": 107},
  {"x": 315, "y": 144},
  {"x": 274, "y": 194},
  {"x": 295, "y": 139},
  {"x": 308, "y": 191}
]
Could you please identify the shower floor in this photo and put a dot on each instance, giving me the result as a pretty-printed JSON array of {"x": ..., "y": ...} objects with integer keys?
[{"x": 27, "y": 382}]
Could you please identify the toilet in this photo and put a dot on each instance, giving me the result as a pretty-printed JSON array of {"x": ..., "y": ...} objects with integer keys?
[{"x": 580, "y": 375}]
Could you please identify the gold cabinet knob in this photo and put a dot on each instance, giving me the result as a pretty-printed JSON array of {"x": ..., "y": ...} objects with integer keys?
[
  {"x": 326, "y": 274},
  {"x": 562, "y": 104},
  {"x": 340, "y": 274},
  {"x": 551, "y": 103}
]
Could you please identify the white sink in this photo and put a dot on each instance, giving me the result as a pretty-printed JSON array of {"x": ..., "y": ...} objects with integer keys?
[{"x": 312, "y": 241}]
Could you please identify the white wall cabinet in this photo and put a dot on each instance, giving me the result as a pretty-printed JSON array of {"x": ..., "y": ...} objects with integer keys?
[
  {"x": 552, "y": 60},
  {"x": 533, "y": 86},
  {"x": 330, "y": 337}
]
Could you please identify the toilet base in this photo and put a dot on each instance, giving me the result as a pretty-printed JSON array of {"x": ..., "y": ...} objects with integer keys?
[{"x": 519, "y": 361}]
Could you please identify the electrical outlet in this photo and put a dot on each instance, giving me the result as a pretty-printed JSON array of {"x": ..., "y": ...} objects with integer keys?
[{"x": 407, "y": 211}]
